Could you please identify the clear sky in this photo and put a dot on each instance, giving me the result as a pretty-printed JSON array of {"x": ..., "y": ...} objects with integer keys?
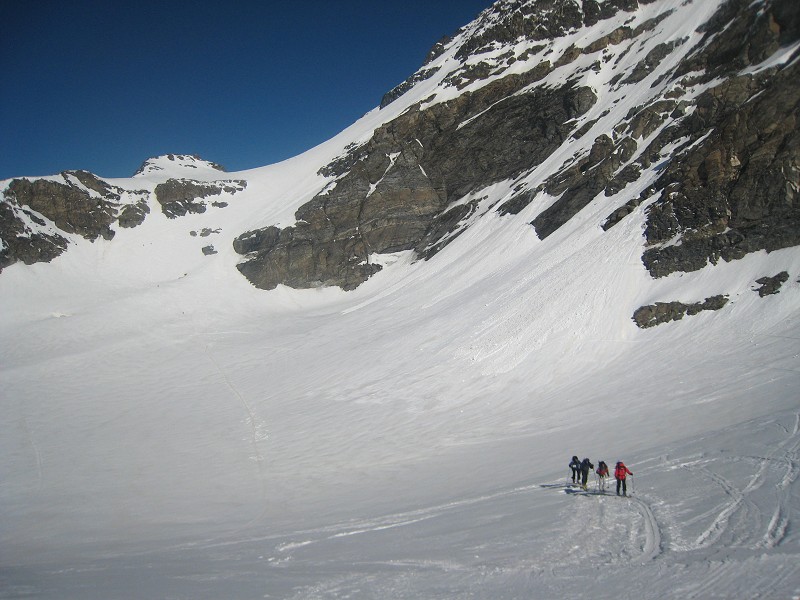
[{"x": 103, "y": 85}]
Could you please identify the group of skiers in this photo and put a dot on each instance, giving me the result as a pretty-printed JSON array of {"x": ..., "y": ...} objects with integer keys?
[{"x": 580, "y": 474}]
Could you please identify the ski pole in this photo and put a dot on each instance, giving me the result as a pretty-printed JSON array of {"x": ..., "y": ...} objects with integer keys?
[{"x": 633, "y": 485}]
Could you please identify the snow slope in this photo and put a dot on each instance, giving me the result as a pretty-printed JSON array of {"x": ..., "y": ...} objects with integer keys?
[{"x": 170, "y": 431}]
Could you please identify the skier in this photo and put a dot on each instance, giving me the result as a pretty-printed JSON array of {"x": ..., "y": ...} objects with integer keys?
[
  {"x": 620, "y": 473},
  {"x": 575, "y": 465},
  {"x": 586, "y": 466},
  {"x": 602, "y": 473}
]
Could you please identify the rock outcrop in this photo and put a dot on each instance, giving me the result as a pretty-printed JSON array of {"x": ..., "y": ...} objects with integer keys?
[
  {"x": 771, "y": 285},
  {"x": 179, "y": 197},
  {"x": 664, "y": 312},
  {"x": 39, "y": 215}
]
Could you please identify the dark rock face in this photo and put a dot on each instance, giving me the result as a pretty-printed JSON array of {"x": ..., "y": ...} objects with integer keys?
[
  {"x": 395, "y": 190},
  {"x": 401, "y": 89},
  {"x": 83, "y": 204},
  {"x": 21, "y": 244},
  {"x": 179, "y": 197},
  {"x": 771, "y": 285},
  {"x": 580, "y": 183},
  {"x": 664, "y": 312},
  {"x": 737, "y": 192},
  {"x": 71, "y": 207},
  {"x": 133, "y": 215}
]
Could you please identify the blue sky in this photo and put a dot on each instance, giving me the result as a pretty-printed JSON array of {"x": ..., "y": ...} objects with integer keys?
[{"x": 103, "y": 85}]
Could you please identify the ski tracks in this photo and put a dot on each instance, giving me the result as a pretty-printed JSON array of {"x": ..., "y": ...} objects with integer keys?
[
  {"x": 756, "y": 507},
  {"x": 626, "y": 528},
  {"x": 779, "y": 523},
  {"x": 751, "y": 504},
  {"x": 652, "y": 546}
]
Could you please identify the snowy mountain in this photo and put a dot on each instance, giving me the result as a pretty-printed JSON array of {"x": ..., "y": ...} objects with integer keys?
[{"x": 362, "y": 372}]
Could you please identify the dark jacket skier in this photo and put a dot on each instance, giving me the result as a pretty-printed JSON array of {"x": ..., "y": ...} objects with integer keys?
[
  {"x": 575, "y": 465},
  {"x": 621, "y": 472},
  {"x": 586, "y": 466}
]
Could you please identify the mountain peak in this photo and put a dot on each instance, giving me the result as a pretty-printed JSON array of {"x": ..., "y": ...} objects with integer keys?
[{"x": 177, "y": 165}]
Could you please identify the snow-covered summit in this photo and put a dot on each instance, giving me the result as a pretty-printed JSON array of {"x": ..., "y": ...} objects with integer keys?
[{"x": 178, "y": 165}]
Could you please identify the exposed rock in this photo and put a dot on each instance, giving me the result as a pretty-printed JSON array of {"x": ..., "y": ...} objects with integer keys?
[
  {"x": 733, "y": 190},
  {"x": 534, "y": 20},
  {"x": 133, "y": 215},
  {"x": 37, "y": 214},
  {"x": 664, "y": 312},
  {"x": 588, "y": 177},
  {"x": 398, "y": 186},
  {"x": 205, "y": 232},
  {"x": 771, "y": 285},
  {"x": 736, "y": 192},
  {"x": 70, "y": 206},
  {"x": 19, "y": 243},
  {"x": 181, "y": 196},
  {"x": 737, "y": 37},
  {"x": 438, "y": 49},
  {"x": 401, "y": 89},
  {"x": 655, "y": 56},
  {"x": 342, "y": 164}
]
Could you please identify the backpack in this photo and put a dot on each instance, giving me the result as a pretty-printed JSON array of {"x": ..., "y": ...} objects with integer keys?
[{"x": 602, "y": 469}]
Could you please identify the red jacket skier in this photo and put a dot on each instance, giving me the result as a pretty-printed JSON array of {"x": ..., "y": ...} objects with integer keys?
[{"x": 621, "y": 472}]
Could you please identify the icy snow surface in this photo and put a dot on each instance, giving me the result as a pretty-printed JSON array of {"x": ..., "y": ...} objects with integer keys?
[{"x": 169, "y": 431}]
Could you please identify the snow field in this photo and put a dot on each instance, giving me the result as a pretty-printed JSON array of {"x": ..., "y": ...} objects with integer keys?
[{"x": 171, "y": 432}]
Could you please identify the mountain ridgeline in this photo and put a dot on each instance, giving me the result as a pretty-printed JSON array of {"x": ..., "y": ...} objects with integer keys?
[{"x": 687, "y": 111}]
